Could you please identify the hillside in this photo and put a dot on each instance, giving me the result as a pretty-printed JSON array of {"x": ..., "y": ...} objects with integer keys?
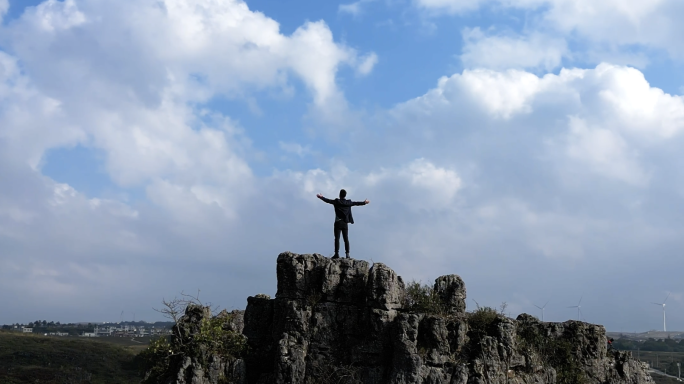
[{"x": 39, "y": 359}]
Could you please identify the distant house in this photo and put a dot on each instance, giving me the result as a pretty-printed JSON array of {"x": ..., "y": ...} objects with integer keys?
[
  {"x": 103, "y": 331},
  {"x": 89, "y": 334},
  {"x": 27, "y": 330}
]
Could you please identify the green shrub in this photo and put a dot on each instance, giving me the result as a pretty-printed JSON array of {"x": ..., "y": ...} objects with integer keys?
[
  {"x": 481, "y": 320},
  {"x": 422, "y": 298},
  {"x": 153, "y": 362},
  {"x": 219, "y": 340}
]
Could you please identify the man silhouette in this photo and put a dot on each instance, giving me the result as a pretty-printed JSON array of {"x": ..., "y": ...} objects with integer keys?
[{"x": 343, "y": 216}]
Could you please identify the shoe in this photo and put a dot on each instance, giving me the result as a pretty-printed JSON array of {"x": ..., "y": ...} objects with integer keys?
[
  {"x": 348, "y": 256},
  {"x": 336, "y": 256}
]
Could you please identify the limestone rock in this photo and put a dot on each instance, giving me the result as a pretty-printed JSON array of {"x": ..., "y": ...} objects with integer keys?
[
  {"x": 342, "y": 321},
  {"x": 385, "y": 288},
  {"x": 451, "y": 289}
]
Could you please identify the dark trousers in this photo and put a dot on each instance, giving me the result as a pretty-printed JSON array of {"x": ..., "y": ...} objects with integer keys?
[{"x": 341, "y": 227}]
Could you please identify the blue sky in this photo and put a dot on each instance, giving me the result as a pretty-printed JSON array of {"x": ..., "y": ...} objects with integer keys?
[{"x": 149, "y": 148}]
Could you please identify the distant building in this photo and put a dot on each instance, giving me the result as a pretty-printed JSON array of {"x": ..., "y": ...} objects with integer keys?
[
  {"x": 89, "y": 334},
  {"x": 27, "y": 330},
  {"x": 103, "y": 331}
]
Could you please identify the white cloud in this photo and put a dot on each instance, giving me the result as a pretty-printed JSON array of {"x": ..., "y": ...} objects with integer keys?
[
  {"x": 609, "y": 95},
  {"x": 4, "y": 7},
  {"x": 501, "y": 94},
  {"x": 640, "y": 107},
  {"x": 354, "y": 8},
  {"x": 54, "y": 15},
  {"x": 294, "y": 148},
  {"x": 606, "y": 24},
  {"x": 483, "y": 175},
  {"x": 605, "y": 152},
  {"x": 192, "y": 50},
  {"x": 367, "y": 63},
  {"x": 416, "y": 185},
  {"x": 433, "y": 187},
  {"x": 26, "y": 116},
  {"x": 137, "y": 86},
  {"x": 503, "y": 52},
  {"x": 450, "y": 6}
]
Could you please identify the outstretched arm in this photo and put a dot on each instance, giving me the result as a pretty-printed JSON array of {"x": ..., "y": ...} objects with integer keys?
[
  {"x": 362, "y": 202},
  {"x": 324, "y": 199}
]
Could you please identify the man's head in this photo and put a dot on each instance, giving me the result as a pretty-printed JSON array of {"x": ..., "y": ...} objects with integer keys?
[{"x": 343, "y": 193}]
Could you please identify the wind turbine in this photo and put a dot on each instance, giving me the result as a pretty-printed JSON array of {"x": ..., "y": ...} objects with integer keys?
[
  {"x": 663, "y": 304},
  {"x": 542, "y": 308},
  {"x": 578, "y": 306}
]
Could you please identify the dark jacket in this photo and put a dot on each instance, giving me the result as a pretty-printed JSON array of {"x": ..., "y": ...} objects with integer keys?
[{"x": 343, "y": 208}]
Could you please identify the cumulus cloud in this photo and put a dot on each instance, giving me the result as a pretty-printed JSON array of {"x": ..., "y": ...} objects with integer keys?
[
  {"x": 545, "y": 140},
  {"x": 419, "y": 184},
  {"x": 605, "y": 152},
  {"x": 499, "y": 94},
  {"x": 129, "y": 79},
  {"x": 603, "y": 25},
  {"x": 486, "y": 174},
  {"x": 58, "y": 15},
  {"x": 503, "y": 52},
  {"x": 137, "y": 89},
  {"x": 190, "y": 50}
]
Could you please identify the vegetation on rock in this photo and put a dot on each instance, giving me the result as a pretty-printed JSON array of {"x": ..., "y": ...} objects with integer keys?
[
  {"x": 422, "y": 298},
  {"x": 556, "y": 352},
  {"x": 197, "y": 335}
]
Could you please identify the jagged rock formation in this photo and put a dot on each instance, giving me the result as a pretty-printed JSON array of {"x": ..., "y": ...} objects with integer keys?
[
  {"x": 199, "y": 364},
  {"x": 345, "y": 321}
]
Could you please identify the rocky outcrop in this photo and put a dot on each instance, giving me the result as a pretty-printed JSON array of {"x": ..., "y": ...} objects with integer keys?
[
  {"x": 346, "y": 321},
  {"x": 191, "y": 359}
]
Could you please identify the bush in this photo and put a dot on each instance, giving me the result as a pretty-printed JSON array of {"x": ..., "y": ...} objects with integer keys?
[
  {"x": 153, "y": 362},
  {"x": 218, "y": 339},
  {"x": 422, "y": 298},
  {"x": 480, "y": 321}
]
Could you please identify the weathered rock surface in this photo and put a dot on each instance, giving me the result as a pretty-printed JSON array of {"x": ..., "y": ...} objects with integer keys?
[
  {"x": 198, "y": 365},
  {"x": 344, "y": 321}
]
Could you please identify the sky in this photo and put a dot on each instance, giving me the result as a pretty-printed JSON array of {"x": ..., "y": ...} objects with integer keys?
[{"x": 150, "y": 148}]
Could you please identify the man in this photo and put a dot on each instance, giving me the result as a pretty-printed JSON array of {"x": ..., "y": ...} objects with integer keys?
[{"x": 343, "y": 216}]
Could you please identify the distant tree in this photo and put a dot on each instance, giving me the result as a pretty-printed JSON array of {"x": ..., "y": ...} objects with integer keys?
[
  {"x": 30, "y": 325},
  {"x": 58, "y": 324}
]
